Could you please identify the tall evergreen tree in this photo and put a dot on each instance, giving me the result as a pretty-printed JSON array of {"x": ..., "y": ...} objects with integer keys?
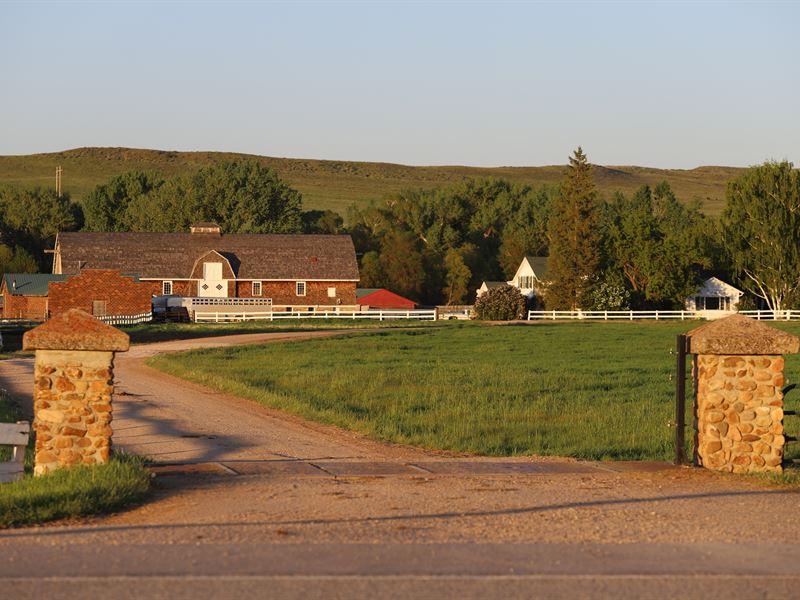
[{"x": 574, "y": 238}]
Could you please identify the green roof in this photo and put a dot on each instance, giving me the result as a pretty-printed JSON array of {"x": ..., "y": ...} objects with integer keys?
[
  {"x": 361, "y": 292},
  {"x": 29, "y": 284}
]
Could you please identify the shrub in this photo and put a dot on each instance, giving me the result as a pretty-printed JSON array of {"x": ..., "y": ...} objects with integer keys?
[
  {"x": 611, "y": 296},
  {"x": 501, "y": 304}
]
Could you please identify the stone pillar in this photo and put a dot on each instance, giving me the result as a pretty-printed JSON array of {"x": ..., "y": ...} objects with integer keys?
[
  {"x": 74, "y": 385},
  {"x": 739, "y": 380}
]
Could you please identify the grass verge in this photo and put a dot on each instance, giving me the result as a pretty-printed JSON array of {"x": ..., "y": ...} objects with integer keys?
[
  {"x": 68, "y": 493},
  {"x": 75, "y": 492},
  {"x": 587, "y": 390}
]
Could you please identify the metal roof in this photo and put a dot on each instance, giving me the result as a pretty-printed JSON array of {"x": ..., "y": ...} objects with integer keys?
[{"x": 29, "y": 284}]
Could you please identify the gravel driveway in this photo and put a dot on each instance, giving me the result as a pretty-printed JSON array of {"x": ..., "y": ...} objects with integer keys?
[{"x": 252, "y": 501}]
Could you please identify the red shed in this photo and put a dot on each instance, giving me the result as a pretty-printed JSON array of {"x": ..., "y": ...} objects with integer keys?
[{"x": 381, "y": 298}]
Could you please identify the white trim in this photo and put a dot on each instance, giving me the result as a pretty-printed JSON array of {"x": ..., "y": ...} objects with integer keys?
[
  {"x": 240, "y": 279},
  {"x": 164, "y": 287},
  {"x": 253, "y": 285},
  {"x": 297, "y": 285}
]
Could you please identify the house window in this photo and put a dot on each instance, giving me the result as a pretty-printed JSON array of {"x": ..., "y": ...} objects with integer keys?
[
  {"x": 300, "y": 288},
  {"x": 331, "y": 292},
  {"x": 526, "y": 282},
  {"x": 166, "y": 288},
  {"x": 99, "y": 308},
  {"x": 256, "y": 288}
]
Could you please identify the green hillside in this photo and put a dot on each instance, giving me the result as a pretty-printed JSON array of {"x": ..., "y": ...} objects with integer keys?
[{"x": 338, "y": 184}]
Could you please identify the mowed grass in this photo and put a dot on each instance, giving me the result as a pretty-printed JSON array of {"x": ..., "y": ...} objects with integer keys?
[{"x": 594, "y": 391}]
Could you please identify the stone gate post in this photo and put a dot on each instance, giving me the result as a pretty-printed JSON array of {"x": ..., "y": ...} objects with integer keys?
[
  {"x": 738, "y": 370},
  {"x": 74, "y": 384}
]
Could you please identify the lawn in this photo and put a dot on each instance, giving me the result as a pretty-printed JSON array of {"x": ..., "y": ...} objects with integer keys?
[
  {"x": 160, "y": 332},
  {"x": 590, "y": 390},
  {"x": 68, "y": 493}
]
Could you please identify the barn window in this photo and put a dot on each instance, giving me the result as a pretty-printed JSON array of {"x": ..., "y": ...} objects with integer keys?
[
  {"x": 166, "y": 288},
  {"x": 99, "y": 308},
  {"x": 331, "y": 292},
  {"x": 526, "y": 281},
  {"x": 300, "y": 288},
  {"x": 256, "y": 288}
]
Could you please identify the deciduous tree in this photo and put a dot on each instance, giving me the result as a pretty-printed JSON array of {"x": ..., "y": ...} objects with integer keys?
[{"x": 761, "y": 228}]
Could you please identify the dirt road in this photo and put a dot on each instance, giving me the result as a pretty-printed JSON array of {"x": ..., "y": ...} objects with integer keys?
[{"x": 251, "y": 501}]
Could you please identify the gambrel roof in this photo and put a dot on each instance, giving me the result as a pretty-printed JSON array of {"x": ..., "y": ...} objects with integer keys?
[{"x": 173, "y": 255}]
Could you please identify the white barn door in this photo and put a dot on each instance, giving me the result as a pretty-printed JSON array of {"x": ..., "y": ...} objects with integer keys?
[{"x": 212, "y": 285}]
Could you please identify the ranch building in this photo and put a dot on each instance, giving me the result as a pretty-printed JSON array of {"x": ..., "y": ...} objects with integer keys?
[
  {"x": 381, "y": 298},
  {"x": 714, "y": 298},
  {"x": 251, "y": 271},
  {"x": 530, "y": 278},
  {"x": 25, "y": 295}
]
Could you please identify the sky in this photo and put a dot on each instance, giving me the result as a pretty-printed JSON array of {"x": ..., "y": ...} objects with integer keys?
[{"x": 670, "y": 85}]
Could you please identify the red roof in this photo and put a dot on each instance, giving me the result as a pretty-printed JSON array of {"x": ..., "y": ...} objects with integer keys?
[{"x": 381, "y": 298}]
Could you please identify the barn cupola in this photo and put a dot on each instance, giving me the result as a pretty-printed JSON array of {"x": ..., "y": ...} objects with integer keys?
[{"x": 206, "y": 228}]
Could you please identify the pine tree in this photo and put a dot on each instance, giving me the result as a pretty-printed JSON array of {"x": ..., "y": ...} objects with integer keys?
[{"x": 574, "y": 238}]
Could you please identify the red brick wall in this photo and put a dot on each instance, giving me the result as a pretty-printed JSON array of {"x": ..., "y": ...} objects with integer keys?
[
  {"x": 283, "y": 292},
  {"x": 24, "y": 307},
  {"x": 123, "y": 295}
]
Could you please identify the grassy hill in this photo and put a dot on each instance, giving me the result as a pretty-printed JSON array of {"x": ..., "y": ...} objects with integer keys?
[{"x": 330, "y": 184}]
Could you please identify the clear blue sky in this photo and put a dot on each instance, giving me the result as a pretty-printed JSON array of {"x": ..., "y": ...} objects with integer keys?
[{"x": 655, "y": 84}]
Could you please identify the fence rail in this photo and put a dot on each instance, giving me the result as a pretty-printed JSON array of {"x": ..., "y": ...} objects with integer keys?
[
  {"x": 657, "y": 315},
  {"x": 127, "y": 319},
  {"x": 380, "y": 315}
]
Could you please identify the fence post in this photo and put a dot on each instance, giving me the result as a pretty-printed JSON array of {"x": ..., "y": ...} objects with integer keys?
[
  {"x": 74, "y": 385},
  {"x": 739, "y": 381},
  {"x": 680, "y": 401}
]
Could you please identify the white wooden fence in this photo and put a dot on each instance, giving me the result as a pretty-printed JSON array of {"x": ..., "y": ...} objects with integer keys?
[
  {"x": 657, "y": 315},
  {"x": 145, "y": 317},
  {"x": 380, "y": 315}
]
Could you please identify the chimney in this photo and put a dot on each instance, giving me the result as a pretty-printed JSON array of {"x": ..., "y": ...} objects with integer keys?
[{"x": 212, "y": 228}]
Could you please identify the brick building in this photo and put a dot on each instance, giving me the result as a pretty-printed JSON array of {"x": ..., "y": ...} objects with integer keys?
[
  {"x": 25, "y": 295},
  {"x": 279, "y": 270},
  {"x": 100, "y": 292}
]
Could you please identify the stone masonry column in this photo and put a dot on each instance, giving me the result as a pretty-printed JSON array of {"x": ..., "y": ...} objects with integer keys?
[
  {"x": 74, "y": 384},
  {"x": 738, "y": 371}
]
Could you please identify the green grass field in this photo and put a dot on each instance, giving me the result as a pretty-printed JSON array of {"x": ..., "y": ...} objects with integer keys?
[
  {"x": 336, "y": 185},
  {"x": 595, "y": 391}
]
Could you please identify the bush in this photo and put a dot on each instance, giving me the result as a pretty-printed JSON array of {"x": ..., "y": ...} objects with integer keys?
[
  {"x": 501, "y": 304},
  {"x": 611, "y": 296}
]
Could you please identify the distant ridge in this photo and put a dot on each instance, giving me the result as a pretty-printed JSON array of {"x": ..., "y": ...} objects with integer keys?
[{"x": 335, "y": 185}]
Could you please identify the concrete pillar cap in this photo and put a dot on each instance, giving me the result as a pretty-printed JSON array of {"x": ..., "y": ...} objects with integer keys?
[
  {"x": 75, "y": 329},
  {"x": 738, "y": 334}
]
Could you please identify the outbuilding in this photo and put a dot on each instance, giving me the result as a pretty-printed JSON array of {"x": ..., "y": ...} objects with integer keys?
[
  {"x": 382, "y": 298},
  {"x": 25, "y": 295},
  {"x": 714, "y": 298}
]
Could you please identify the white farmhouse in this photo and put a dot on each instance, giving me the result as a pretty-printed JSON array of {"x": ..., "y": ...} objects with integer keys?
[
  {"x": 529, "y": 279},
  {"x": 714, "y": 299}
]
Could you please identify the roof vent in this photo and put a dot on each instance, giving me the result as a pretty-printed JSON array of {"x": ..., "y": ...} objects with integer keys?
[{"x": 205, "y": 228}]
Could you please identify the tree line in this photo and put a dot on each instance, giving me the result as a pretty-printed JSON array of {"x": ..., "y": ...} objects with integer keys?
[{"x": 643, "y": 250}]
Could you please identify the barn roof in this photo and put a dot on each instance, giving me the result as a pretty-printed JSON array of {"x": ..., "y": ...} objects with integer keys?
[
  {"x": 29, "y": 284},
  {"x": 173, "y": 255}
]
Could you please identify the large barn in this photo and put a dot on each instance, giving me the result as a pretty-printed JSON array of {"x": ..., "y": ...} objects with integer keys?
[{"x": 310, "y": 271}]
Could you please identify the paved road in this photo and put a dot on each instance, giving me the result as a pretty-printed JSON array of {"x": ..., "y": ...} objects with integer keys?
[{"x": 249, "y": 501}]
